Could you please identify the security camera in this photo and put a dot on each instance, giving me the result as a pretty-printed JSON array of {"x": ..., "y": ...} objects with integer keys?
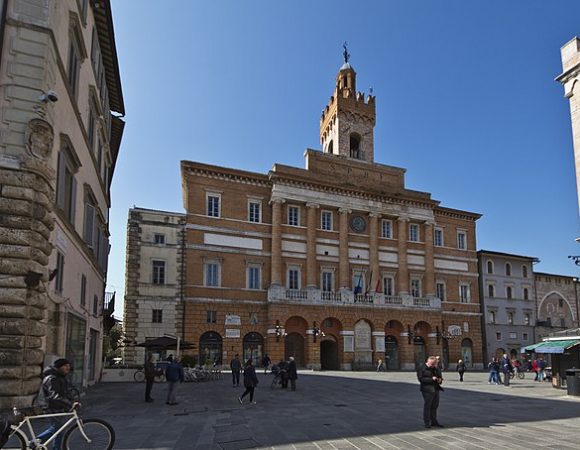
[{"x": 50, "y": 96}]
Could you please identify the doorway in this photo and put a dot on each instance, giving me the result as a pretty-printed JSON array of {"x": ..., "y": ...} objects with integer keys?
[
  {"x": 391, "y": 353},
  {"x": 329, "y": 355},
  {"x": 294, "y": 346}
]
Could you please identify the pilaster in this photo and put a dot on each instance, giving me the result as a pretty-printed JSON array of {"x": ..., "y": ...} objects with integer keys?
[
  {"x": 374, "y": 250},
  {"x": 311, "y": 272},
  {"x": 403, "y": 272},
  {"x": 343, "y": 275},
  {"x": 276, "y": 275},
  {"x": 429, "y": 261}
]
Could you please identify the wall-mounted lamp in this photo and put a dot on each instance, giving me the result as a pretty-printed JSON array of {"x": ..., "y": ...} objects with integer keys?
[{"x": 317, "y": 331}]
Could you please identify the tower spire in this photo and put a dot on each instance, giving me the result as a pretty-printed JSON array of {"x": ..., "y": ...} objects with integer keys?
[{"x": 346, "y": 54}]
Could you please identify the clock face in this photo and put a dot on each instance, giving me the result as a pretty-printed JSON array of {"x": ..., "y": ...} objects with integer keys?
[{"x": 358, "y": 224}]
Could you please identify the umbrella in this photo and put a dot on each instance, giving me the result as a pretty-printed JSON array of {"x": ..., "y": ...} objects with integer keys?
[{"x": 164, "y": 343}]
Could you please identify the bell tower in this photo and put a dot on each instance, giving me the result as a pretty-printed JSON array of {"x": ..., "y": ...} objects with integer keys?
[{"x": 348, "y": 121}]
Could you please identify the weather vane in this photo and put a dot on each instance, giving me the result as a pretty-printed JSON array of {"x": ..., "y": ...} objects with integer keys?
[{"x": 346, "y": 54}]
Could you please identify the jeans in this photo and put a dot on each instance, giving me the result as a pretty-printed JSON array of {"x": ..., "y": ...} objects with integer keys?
[
  {"x": 55, "y": 424},
  {"x": 171, "y": 390},
  {"x": 430, "y": 405},
  {"x": 494, "y": 377},
  {"x": 541, "y": 375}
]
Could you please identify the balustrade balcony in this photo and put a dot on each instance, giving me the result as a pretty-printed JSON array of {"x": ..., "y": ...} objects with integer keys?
[{"x": 279, "y": 294}]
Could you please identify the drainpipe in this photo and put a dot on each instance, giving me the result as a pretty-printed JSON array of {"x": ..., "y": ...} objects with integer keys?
[{"x": 3, "y": 26}]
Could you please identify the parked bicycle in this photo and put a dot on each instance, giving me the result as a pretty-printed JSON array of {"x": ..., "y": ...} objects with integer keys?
[
  {"x": 79, "y": 433},
  {"x": 139, "y": 376},
  {"x": 519, "y": 372}
]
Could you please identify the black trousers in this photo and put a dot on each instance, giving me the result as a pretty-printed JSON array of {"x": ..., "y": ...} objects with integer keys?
[
  {"x": 293, "y": 383},
  {"x": 148, "y": 386},
  {"x": 249, "y": 390},
  {"x": 430, "y": 405},
  {"x": 236, "y": 377},
  {"x": 461, "y": 376}
]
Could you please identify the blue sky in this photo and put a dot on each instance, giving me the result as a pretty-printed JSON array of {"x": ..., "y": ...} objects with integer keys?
[{"x": 466, "y": 102}]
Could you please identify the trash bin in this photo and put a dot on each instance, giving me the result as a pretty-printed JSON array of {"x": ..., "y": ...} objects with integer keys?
[{"x": 573, "y": 381}]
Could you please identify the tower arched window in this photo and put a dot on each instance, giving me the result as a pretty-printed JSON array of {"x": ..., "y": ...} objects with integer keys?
[
  {"x": 330, "y": 147},
  {"x": 489, "y": 267},
  {"x": 355, "y": 151}
]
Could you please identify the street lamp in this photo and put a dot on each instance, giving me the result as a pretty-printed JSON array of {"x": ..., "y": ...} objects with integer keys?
[
  {"x": 317, "y": 331},
  {"x": 279, "y": 330},
  {"x": 444, "y": 335}
]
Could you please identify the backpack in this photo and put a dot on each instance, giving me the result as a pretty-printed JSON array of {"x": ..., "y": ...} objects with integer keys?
[{"x": 4, "y": 431}]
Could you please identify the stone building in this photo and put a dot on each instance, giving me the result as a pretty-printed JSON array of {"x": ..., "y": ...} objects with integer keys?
[
  {"x": 154, "y": 281},
  {"x": 60, "y": 133},
  {"x": 338, "y": 264},
  {"x": 569, "y": 78},
  {"x": 557, "y": 303},
  {"x": 508, "y": 302}
]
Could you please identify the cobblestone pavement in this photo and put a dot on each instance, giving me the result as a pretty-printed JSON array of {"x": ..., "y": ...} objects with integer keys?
[{"x": 340, "y": 410}]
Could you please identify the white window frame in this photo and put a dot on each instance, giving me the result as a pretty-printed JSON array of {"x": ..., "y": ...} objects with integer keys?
[
  {"x": 527, "y": 318},
  {"x": 492, "y": 316},
  {"x": 436, "y": 231},
  {"x": 391, "y": 280},
  {"x": 207, "y": 206},
  {"x": 249, "y": 270},
  {"x": 510, "y": 317},
  {"x": 462, "y": 234},
  {"x": 251, "y": 217},
  {"x": 441, "y": 283},
  {"x": 326, "y": 225},
  {"x": 511, "y": 291},
  {"x": 206, "y": 266},
  {"x": 164, "y": 281},
  {"x": 526, "y": 293},
  {"x": 416, "y": 289},
  {"x": 414, "y": 234},
  {"x": 298, "y": 277},
  {"x": 490, "y": 262},
  {"x": 160, "y": 316},
  {"x": 162, "y": 239},
  {"x": 513, "y": 335},
  {"x": 467, "y": 297},
  {"x": 297, "y": 209},
  {"x": 387, "y": 229},
  {"x": 330, "y": 273}
]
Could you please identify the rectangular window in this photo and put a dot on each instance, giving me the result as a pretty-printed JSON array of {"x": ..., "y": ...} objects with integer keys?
[
  {"x": 461, "y": 240},
  {"x": 326, "y": 220},
  {"x": 212, "y": 274},
  {"x": 388, "y": 286},
  {"x": 498, "y": 336},
  {"x": 327, "y": 281},
  {"x": 510, "y": 318},
  {"x": 211, "y": 316},
  {"x": 59, "y": 282},
  {"x": 213, "y": 205},
  {"x": 387, "y": 229},
  {"x": 254, "y": 277},
  {"x": 89, "y": 225},
  {"x": 513, "y": 335},
  {"x": 293, "y": 278},
  {"x": 293, "y": 216},
  {"x": 358, "y": 283},
  {"x": 95, "y": 306},
  {"x": 438, "y": 237},
  {"x": 83, "y": 290},
  {"x": 464, "y": 294},
  {"x": 492, "y": 317},
  {"x": 66, "y": 187},
  {"x": 525, "y": 336},
  {"x": 158, "y": 272},
  {"x": 440, "y": 287},
  {"x": 526, "y": 294},
  {"x": 159, "y": 238},
  {"x": 73, "y": 68},
  {"x": 157, "y": 316},
  {"x": 416, "y": 287},
  {"x": 92, "y": 126},
  {"x": 414, "y": 232},
  {"x": 255, "y": 211}
]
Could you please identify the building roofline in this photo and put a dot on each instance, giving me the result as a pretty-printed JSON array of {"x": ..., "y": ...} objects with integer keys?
[
  {"x": 157, "y": 211},
  {"x": 546, "y": 274},
  {"x": 508, "y": 255}
]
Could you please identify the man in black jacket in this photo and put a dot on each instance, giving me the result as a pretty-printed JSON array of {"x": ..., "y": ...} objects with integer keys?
[
  {"x": 430, "y": 378},
  {"x": 55, "y": 391},
  {"x": 292, "y": 373},
  {"x": 236, "y": 366}
]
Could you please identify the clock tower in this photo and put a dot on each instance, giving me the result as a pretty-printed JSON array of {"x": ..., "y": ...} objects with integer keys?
[{"x": 348, "y": 121}]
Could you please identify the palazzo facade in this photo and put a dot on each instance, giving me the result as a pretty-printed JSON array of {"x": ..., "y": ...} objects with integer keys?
[{"x": 337, "y": 264}]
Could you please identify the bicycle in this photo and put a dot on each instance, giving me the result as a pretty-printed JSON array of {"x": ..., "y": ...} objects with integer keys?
[
  {"x": 79, "y": 433},
  {"x": 139, "y": 376},
  {"x": 519, "y": 372}
]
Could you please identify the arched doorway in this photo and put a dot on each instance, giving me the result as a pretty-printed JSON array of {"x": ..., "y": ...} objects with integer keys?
[
  {"x": 294, "y": 346},
  {"x": 253, "y": 346},
  {"x": 210, "y": 348},
  {"x": 392, "y": 352},
  {"x": 419, "y": 351},
  {"x": 467, "y": 352},
  {"x": 329, "y": 354}
]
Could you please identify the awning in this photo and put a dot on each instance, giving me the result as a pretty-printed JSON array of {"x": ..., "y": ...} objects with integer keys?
[
  {"x": 553, "y": 346},
  {"x": 164, "y": 343},
  {"x": 532, "y": 347}
]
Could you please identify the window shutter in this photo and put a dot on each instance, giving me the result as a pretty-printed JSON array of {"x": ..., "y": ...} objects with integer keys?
[
  {"x": 73, "y": 201},
  {"x": 89, "y": 224},
  {"x": 60, "y": 187},
  {"x": 105, "y": 254}
]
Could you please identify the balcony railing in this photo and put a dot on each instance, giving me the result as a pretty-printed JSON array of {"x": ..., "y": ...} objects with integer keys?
[{"x": 344, "y": 297}]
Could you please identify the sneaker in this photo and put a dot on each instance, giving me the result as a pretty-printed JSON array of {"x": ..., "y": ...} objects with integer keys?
[
  {"x": 253, "y": 403},
  {"x": 240, "y": 400}
]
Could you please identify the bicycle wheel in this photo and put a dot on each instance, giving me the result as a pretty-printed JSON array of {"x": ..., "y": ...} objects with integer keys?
[
  {"x": 100, "y": 433},
  {"x": 521, "y": 375},
  {"x": 139, "y": 376},
  {"x": 16, "y": 441}
]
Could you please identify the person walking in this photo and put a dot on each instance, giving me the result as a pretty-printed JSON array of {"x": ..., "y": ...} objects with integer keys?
[
  {"x": 493, "y": 367},
  {"x": 236, "y": 366},
  {"x": 54, "y": 389},
  {"x": 173, "y": 375},
  {"x": 150, "y": 373},
  {"x": 380, "y": 366},
  {"x": 439, "y": 364},
  {"x": 535, "y": 369},
  {"x": 250, "y": 382},
  {"x": 266, "y": 361},
  {"x": 283, "y": 367},
  {"x": 461, "y": 369},
  {"x": 506, "y": 368},
  {"x": 541, "y": 366},
  {"x": 430, "y": 379},
  {"x": 292, "y": 373}
]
